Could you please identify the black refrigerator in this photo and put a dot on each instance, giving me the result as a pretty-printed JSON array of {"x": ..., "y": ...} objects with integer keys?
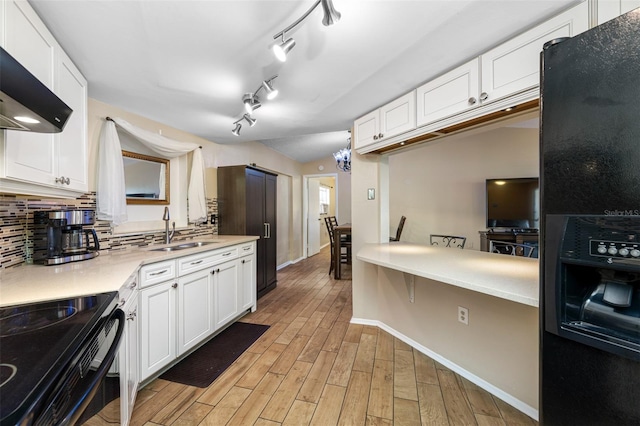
[{"x": 590, "y": 230}]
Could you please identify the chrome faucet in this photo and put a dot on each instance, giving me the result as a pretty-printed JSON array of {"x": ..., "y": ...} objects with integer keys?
[{"x": 168, "y": 235}]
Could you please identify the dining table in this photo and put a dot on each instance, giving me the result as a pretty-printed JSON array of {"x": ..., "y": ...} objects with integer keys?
[{"x": 338, "y": 233}]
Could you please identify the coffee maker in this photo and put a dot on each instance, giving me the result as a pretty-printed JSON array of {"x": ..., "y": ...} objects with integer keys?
[{"x": 62, "y": 236}]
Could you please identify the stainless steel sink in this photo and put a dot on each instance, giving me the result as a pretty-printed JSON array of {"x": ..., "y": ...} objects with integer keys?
[{"x": 183, "y": 246}]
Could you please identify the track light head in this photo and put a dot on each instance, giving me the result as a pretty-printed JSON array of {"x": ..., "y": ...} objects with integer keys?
[
  {"x": 236, "y": 131},
  {"x": 281, "y": 50},
  {"x": 331, "y": 15},
  {"x": 268, "y": 87},
  {"x": 251, "y": 121},
  {"x": 251, "y": 102}
]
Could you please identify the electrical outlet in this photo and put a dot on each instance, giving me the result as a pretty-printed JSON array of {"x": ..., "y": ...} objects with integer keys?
[{"x": 463, "y": 315}]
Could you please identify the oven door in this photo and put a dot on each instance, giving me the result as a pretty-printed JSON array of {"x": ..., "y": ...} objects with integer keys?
[{"x": 86, "y": 372}]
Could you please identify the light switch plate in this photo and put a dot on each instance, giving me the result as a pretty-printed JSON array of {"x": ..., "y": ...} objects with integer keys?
[{"x": 371, "y": 194}]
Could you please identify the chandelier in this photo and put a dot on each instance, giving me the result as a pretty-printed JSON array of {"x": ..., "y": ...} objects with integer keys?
[{"x": 343, "y": 158}]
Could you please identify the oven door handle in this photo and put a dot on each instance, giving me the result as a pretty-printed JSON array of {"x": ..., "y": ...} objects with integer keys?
[{"x": 88, "y": 391}]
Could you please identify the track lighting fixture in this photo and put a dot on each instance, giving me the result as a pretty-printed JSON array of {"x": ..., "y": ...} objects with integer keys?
[
  {"x": 248, "y": 119},
  {"x": 331, "y": 16},
  {"x": 268, "y": 87},
  {"x": 251, "y": 102}
]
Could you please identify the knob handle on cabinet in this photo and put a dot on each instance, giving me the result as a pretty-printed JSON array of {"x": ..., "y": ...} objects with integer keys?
[
  {"x": 63, "y": 180},
  {"x": 375, "y": 137},
  {"x": 175, "y": 285},
  {"x": 472, "y": 100},
  {"x": 132, "y": 316},
  {"x": 380, "y": 135},
  {"x": 484, "y": 96}
]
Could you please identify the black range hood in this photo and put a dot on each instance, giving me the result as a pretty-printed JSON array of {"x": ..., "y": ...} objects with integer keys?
[{"x": 22, "y": 96}]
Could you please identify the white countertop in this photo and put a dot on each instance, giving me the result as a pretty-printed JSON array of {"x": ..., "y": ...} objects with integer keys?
[
  {"x": 107, "y": 272},
  {"x": 513, "y": 278}
]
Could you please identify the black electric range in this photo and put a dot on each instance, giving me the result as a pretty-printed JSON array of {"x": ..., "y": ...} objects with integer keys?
[{"x": 38, "y": 344}]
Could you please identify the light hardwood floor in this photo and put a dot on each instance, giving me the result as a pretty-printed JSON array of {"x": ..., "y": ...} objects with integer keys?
[{"x": 313, "y": 367}]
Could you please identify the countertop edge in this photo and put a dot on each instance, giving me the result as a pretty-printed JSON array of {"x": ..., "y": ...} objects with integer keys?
[{"x": 431, "y": 264}]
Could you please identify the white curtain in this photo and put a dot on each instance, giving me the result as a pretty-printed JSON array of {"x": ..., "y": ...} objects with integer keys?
[
  {"x": 196, "y": 201},
  {"x": 111, "y": 197}
]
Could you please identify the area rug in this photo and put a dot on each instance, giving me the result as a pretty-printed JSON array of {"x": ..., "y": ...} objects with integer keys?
[{"x": 204, "y": 365}]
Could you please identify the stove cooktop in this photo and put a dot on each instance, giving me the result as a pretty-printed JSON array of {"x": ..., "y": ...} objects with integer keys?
[{"x": 36, "y": 343}]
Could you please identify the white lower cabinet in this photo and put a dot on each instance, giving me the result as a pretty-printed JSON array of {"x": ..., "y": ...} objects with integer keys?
[
  {"x": 129, "y": 379},
  {"x": 195, "y": 309},
  {"x": 184, "y": 301},
  {"x": 225, "y": 284},
  {"x": 157, "y": 327},
  {"x": 247, "y": 281}
]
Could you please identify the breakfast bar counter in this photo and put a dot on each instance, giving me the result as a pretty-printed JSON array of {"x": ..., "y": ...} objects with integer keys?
[{"x": 513, "y": 278}]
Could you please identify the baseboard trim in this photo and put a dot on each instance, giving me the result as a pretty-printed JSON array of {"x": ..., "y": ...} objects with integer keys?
[{"x": 497, "y": 392}]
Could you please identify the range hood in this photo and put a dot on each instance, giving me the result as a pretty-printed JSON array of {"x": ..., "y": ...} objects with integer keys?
[{"x": 26, "y": 103}]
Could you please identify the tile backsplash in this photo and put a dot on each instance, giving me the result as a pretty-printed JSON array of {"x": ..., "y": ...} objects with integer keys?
[{"x": 16, "y": 226}]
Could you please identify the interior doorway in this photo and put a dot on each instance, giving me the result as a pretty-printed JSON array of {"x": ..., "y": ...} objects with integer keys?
[{"x": 320, "y": 201}]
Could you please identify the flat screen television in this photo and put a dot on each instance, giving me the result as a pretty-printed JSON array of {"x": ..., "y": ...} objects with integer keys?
[{"x": 513, "y": 203}]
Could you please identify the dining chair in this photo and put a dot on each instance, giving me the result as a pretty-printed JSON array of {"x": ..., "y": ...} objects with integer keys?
[
  {"x": 447, "y": 240},
  {"x": 399, "y": 231},
  {"x": 345, "y": 256},
  {"x": 513, "y": 249}
]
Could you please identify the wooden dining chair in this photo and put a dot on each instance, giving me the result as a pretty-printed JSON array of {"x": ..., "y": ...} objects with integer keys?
[
  {"x": 345, "y": 256},
  {"x": 447, "y": 240},
  {"x": 513, "y": 249},
  {"x": 399, "y": 230}
]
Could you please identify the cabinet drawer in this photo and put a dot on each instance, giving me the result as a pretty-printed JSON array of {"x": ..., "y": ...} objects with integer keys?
[
  {"x": 247, "y": 249},
  {"x": 157, "y": 273},
  {"x": 200, "y": 261}
]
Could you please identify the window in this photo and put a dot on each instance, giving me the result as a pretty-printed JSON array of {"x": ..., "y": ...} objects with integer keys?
[{"x": 325, "y": 196}]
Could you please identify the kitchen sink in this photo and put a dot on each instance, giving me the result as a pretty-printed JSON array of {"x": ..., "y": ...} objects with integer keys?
[{"x": 183, "y": 246}]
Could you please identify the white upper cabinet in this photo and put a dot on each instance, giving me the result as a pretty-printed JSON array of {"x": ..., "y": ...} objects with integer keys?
[
  {"x": 394, "y": 118},
  {"x": 44, "y": 163},
  {"x": 609, "y": 9},
  {"x": 448, "y": 94},
  {"x": 514, "y": 66}
]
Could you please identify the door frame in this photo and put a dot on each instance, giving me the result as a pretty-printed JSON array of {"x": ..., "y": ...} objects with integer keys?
[{"x": 305, "y": 204}]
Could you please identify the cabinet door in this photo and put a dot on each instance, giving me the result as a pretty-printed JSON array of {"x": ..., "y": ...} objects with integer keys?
[
  {"x": 449, "y": 94},
  {"x": 398, "y": 116},
  {"x": 609, "y": 9},
  {"x": 195, "y": 309},
  {"x": 271, "y": 241},
  {"x": 514, "y": 66},
  {"x": 31, "y": 44},
  {"x": 247, "y": 282},
  {"x": 71, "y": 87},
  {"x": 129, "y": 354},
  {"x": 366, "y": 130},
  {"x": 157, "y": 327},
  {"x": 256, "y": 223},
  {"x": 226, "y": 297}
]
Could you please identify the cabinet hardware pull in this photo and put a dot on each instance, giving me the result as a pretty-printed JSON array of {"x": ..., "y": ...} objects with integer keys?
[
  {"x": 122, "y": 302},
  {"x": 380, "y": 135},
  {"x": 218, "y": 270},
  {"x": 159, "y": 272},
  {"x": 133, "y": 285},
  {"x": 249, "y": 248},
  {"x": 196, "y": 263},
  {"x": 484, "y": 96},
  {"x": 243, "y": 260},
  {"x": 132, "y": 316},
  {"x": 175, "y": 285},
  {"x": 375, "y": 137},
  {"x": 226, "y": 254},
  {"x": 472, "y": 100},
  {"x": 63, "y": 180},
  {"x": 213, "y": 272},
  {"x": 265, "y": 229}
]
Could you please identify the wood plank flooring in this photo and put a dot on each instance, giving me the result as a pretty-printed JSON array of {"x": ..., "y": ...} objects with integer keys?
[{"x": 313, "y": 367}]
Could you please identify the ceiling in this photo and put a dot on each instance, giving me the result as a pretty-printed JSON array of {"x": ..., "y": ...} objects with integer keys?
[{"x": 188, "y": 63}]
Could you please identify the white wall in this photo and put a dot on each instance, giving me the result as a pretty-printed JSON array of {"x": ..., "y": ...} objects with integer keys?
[{"x": 440, "y": 187}]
